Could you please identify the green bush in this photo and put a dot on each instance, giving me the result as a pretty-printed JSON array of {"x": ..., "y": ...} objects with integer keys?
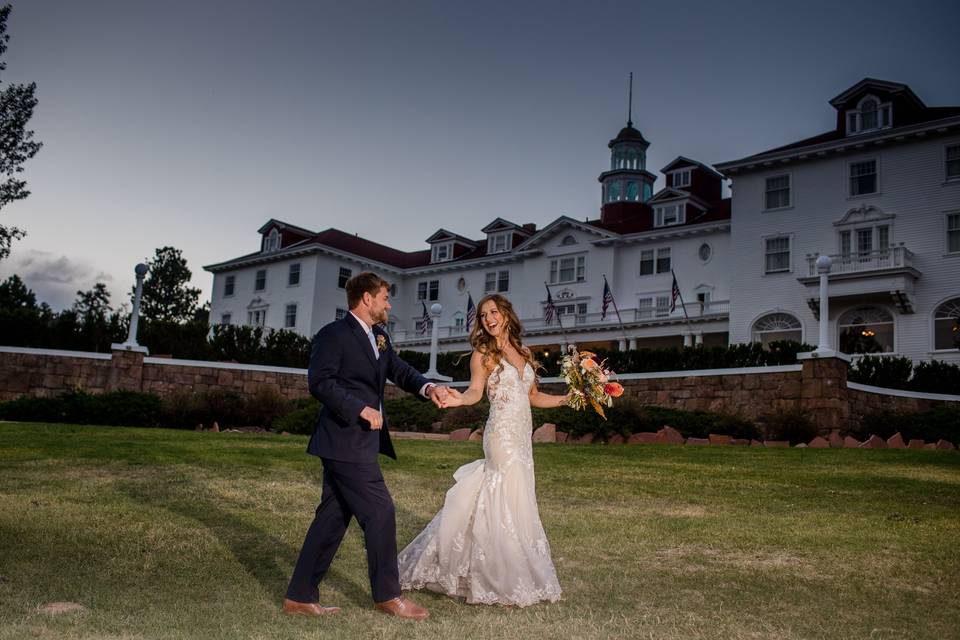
[
  {"x": 114, "y": 408},
  {"x": 936, "y": 376},
  {"x": 794, "y": 426},
  {"x": 407, "y": 413},
  {"x": 301, "y": 420},
  {"x": 930, "y": 426},
  {"x": 895, "y": 372}
]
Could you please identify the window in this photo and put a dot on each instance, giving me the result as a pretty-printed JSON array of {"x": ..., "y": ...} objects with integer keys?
[
  {"x": 260, "y": 282},
  {"x": 663, "y": 260},
  {"x": 774, "y": 327},
  {"x": 272, "y": 241},
  {"x": 428, "y": 290},
  {"x": 568, "y": 240},
  {"x": 653, "y": 306},
  {"x": 777, "y": 256},
  {"x": 341, "y": 314},
  {"x": 681, "y": 178},
  {"x": 633, "y": 194},
  {"x": 862, "y": 243},
  {"x": 393, "y": 290},
  {"x": 434, "y": 290},
  {"x": 646, "y": 262},
  {"x": 946, "y": 325},
  {"x": 953, "y": 162},
  {"x": 869, "y": 115},
  {"x": 863, "y": 177},
  {"x": 705, "y": 252},
  {"x": 644, "y": 308},
  {"x": 499, "y": 242},
  {"x": 669, "y": 214},
  {"x": 613, "y": 191},
  {"x": 866, "y": 330},
  {"x": 293, "y": 278},
  {"x": 577, "y": 310},
  {"x": 777, "y": 195},
  {"x": 225, "y": 318},
  {"x": 458, "y": 322},
  {"x": 953, "y": 233},
  {"x": 442, "y": 252},
  {"x": 342, "y": 277},
  {"x": 228, "y": 285},
  {"x": 422, "y": 326},
  {"x": 497, "y": 281},
  {"x": 257, "y": 317},
  {"x": 572, "y": 269},
  {"x": 290, "y": 316},
  {"x": 663, "y": 306}
]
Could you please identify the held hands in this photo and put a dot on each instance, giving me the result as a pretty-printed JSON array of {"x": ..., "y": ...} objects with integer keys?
[
  {"x": 454, "y": 399},
  {"x": 372, "y": 416},
  {"x": 437, "y": 394}
]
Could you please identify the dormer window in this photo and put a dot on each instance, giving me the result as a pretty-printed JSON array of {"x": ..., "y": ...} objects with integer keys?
[
  {"x": 568, "y": 240},
  {"x": 681, "y": 178},
  {"x": 669, "y": 214},
  {"x": 272, "y": 241},
  {"x": 499, "y": 242},
  {"x": 870, "y": 115},
  {"x": 442, "y": 252}
]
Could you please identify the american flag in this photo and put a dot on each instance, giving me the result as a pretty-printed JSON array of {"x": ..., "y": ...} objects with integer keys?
[
  {"x": 674, "y": 294},
  {"x": 425, "y": 319},
  {"x": 607, "y": 299},
  {"x": 471, "y": 312},
  {"x": 549, "y": 310}
]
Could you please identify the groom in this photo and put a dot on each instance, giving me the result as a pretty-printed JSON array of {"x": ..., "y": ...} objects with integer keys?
[{"x": 350, "y": 361}]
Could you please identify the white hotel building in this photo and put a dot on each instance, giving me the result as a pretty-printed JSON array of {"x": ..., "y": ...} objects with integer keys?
[{"x": 880, "y": 193}]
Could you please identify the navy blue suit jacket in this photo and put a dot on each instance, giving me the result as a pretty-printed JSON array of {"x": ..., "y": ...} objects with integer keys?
[{"x": 345, "y": 376}]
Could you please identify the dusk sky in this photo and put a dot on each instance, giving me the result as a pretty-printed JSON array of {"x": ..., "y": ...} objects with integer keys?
[{"x": 191, "y": 123}]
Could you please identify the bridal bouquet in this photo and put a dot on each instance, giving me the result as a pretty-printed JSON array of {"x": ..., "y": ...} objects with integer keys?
[{"x": 588, "y": 381}]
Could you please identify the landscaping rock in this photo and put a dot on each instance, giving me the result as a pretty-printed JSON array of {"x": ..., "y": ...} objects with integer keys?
[
  {"x": 215, "y": 428},
  {"x": 199, "y": 427},
  {"x": 615, "y": 439},
  {"x": 756, "y": 443},
  {"x": 930, "y": 445},
  {"x": 586, "y": 438},
  {"x": 819, "y": 443},
  {"x": 644, "y": 437},
  {"x": 435, "y": 427},
  {"x": 546, "y": 433},
  {"x": 476, "y": 436},
  {"x": 698, "y": 441},
  {"x": 836, "y": 440},
  {"x": 719, "y": 439},
  {"x": 777, "y": 444},
  {"x": 802, "y": 445},
  {"x": 561, "y": 436},
  {"x": 57, "y": 608},
  {"x": 946, "y": 445},
  {"x": 896, "y": 442},
  {"x": 915, "y": 443},
  {"x": 669, "y": 435},
  {"x": 851, "y": 443},
  {"x": 742, "y": 442},
  {"x": 874, "y": 442},
  {"x": 460, "y": 434},
  {"x": 284, "y": 433}
]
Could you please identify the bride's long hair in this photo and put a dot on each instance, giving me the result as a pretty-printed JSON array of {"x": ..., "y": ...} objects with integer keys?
[{"x": 485, "y": 343}]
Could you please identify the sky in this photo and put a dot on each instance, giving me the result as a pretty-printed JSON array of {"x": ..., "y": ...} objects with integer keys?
[{"x": 192, "y": 123}]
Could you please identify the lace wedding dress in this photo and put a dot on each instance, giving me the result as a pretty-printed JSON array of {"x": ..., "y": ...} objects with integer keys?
[{"x": 487, "y": 544}]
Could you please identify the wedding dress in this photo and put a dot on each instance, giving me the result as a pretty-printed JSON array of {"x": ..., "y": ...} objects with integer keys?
[{"x": 487, "y": 543}]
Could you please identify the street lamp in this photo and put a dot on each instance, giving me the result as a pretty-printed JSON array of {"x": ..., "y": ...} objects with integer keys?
[{"x": 131, "y": 344}]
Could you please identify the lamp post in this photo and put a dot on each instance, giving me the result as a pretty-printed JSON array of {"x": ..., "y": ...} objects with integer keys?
[
  {"x": 131, "y": 344},
  {"x": 432, "y": 373},
  {"x": 824, "y": 263}
]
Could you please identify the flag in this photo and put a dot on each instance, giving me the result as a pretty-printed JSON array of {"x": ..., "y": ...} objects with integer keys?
[
  {"x": 425, "y": 319},
  {"x": 674, "y": 293},
  {"x": 607, "y": 299},
  {"x": 549, "y": 310},
  {"x": 471, "y": 312}
]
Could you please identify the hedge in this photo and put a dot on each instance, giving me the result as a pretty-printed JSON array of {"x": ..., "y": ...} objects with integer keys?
[{"x": 895, "y": 372}]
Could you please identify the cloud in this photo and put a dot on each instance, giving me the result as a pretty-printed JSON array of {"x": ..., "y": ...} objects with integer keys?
[{"x": 54, "y": 278}]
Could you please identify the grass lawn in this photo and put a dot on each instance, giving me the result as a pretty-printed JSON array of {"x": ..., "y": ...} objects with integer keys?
[{"x": 173, "y": 534}]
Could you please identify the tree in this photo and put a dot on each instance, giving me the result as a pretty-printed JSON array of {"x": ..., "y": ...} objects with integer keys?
[
  {"x": 16, "y": 142},
  {"x": 15, "y": 295},
  {"x": 166, "y": 296},
  {"x": 94, "y": 303}
]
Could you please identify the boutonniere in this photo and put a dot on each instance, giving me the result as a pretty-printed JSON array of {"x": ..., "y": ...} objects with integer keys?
[{"x": 381, "y": 342}]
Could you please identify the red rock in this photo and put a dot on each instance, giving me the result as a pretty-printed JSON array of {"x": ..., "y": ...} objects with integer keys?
[
  {"x": 836, "y": 441},
  {"x": 896, "y": 442},
  {"x": 802, "y": 445},
  {"x": 778, "y": 444},
  {"x": 476, "y": 436},
  {"x": 284, "y": 433},
  {"x": 199, "y": 427},
  {"x": 874, "y": 442},
  {"x": 615, "y": 439},
  {"x": 851, "y": 442},
  {"x": 819, "y": 443},
  {"x": 546, "y": 433},
  {"x": 756, "y": 443},
  {"x": 743, "y": 442},
  {"x": 930, "y": 445},
  {"x": 719, "y": 439},
  {"x": 586, "y": 438},
  {"x": 915, "y": 443},
  {"x": 561, "y": 436},
  {"x": 460, "y": 434},
  {"x": 644, "y": 437},
  {"x": 669, "y": 435},
  {"x": 696, "y": 441},
  {"x": 215, "y": 428},
  {"x": 945, "y": 445}
]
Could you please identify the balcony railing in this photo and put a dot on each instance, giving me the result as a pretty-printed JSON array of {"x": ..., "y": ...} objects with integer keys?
[
  {"x": 882, "y": 259},
  {"x": 590, "y": 320}
]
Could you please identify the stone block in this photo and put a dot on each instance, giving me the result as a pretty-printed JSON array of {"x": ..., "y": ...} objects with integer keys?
[
  {"x": 476, "y": 436},
  {"x": 776, "y": 444},
  {"x": 719, "y": 439},
  {"x": 586, "y": 438},
  {"x": 740, "y": 442},
  {"x": 669, "y": 435},
  {"x": 561, "y": 436},
  {"x": 698, "y": 441},
  {"x": 945, "y": 445},
  {"x": 915, "y": 443},
  {"x": 756, "y": 443},
  {"x": 460, "y": 434},
  {"x": 615, "y": 439},
  {"x": 896, "y": 442},
  {"x": 874, "y": 442},
  {"x": 819, "y": 443},
  {"x": 546, "y": 433},
  {"x": 836, "y": 440},
  {"x": 851, "y": 443},
  {"x": 644, "y": 437}
]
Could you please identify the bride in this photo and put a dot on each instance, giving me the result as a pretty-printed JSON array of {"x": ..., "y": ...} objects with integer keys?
[{"x": 487, "y": 544}]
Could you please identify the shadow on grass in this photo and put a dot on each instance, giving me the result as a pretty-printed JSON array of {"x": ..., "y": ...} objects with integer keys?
[{"x": 264, "y": 556}]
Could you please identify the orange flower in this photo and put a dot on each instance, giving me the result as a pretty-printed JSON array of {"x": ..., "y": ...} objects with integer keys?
[
  {"x": 587, "y": 354},
  {"x": 613, "y": 389},
  {"x": 588, "y": 364}
]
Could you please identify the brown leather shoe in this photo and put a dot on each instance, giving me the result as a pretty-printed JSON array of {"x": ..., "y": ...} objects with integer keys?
[
  {"x": 403, "y": 608},
  {"x": 293, "y": 607}
]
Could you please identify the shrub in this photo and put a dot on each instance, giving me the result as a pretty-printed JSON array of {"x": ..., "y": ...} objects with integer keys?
[
  {"x": 407, "y": 413},
  {"x": 892, "y": 372},
  {"x": 472, "y": 417},
  {"x": 301, "y": 420},
  {"x": 936, "y": 376},
  {"x": 126, "y": 408},
  {"x": 930, "y": 426},
  {"x": 794, "y": 426}
]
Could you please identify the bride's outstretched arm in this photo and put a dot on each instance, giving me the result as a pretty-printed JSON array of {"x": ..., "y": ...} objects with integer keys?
[
  {"x": 478, "y": 379},
  {"x": 543, "y": 400}
]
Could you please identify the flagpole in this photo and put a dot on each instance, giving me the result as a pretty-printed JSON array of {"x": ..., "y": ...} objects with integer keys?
[
  {"x": 614, "y": 301},
  {"x": 683, "y": 305},
  {"x": 563, "y": 347}
]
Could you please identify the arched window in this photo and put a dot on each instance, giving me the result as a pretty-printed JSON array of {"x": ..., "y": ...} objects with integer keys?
[
  {"x": 868, "y": 114},
  {"x": 777, "y": 326},
  {"x": 633, "y": 194},
  {"x": 568, "y": 240},
  {"x": 946, "y": 325},
  {"x": 273, "y": 241},
  {"x": 866, "y": 330}
]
